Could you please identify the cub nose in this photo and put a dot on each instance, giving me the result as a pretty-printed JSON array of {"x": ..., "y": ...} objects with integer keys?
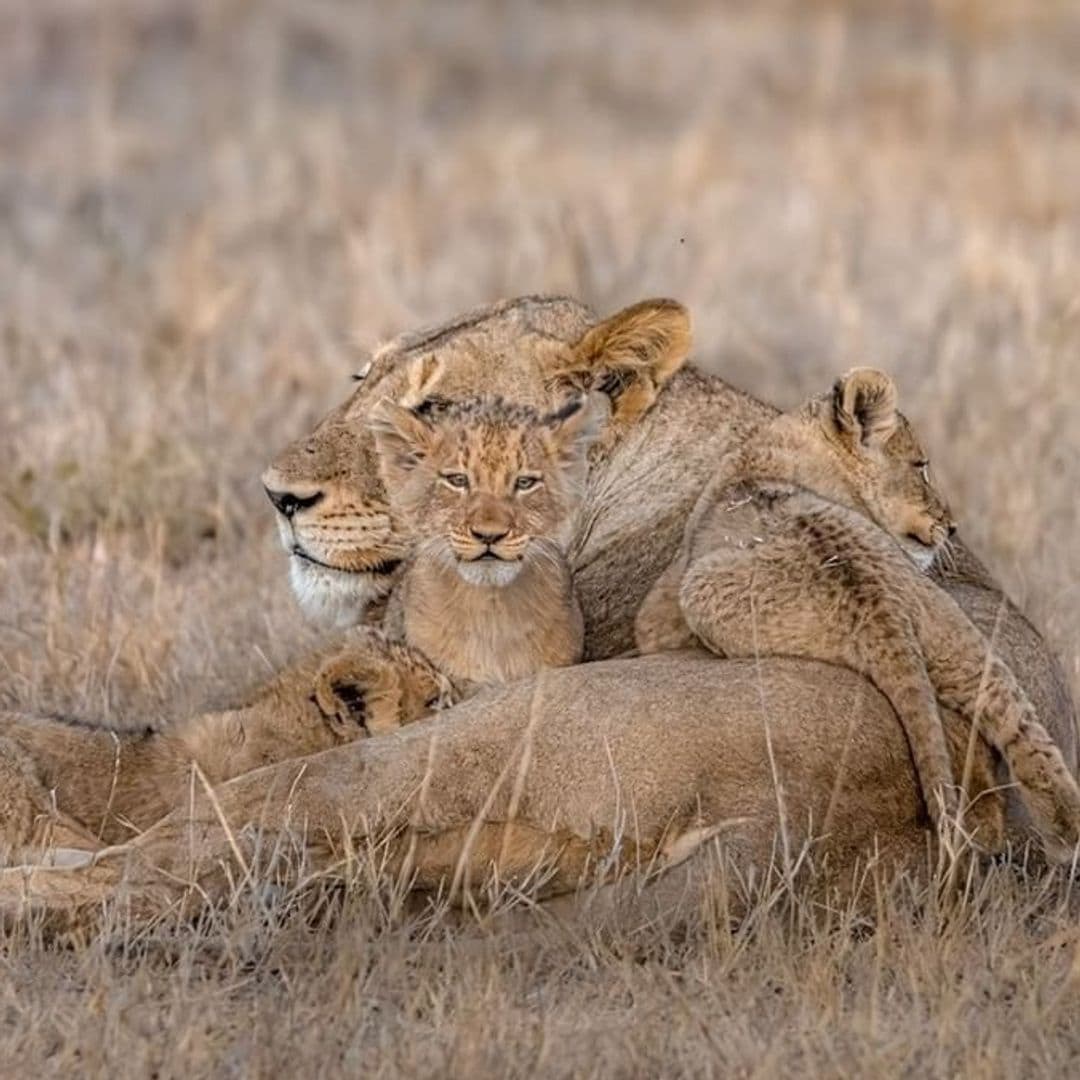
[
  {"x": 488, "y": 534},
  {"x": 285, "y": 502},
  {"x": 951, "y": 529}
]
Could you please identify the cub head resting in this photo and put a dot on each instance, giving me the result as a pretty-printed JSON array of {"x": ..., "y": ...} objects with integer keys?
[
  {"x": 853, "y": 446},
  {"x": 485, "y": 486}
]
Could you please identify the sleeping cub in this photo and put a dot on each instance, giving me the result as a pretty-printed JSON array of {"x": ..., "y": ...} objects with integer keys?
[{"x": 812, "y": 541}]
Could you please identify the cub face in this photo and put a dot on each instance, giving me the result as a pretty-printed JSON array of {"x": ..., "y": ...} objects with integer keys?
[
  {"x": 485, "y": 485},
  {"x": 344, "y": 541},
  {"x": 883, "y": 465}
]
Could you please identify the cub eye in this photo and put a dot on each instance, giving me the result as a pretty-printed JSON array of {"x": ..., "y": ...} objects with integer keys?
[
  {"x": 456, "y": 480},
  {"x": 526, "y": 483}
]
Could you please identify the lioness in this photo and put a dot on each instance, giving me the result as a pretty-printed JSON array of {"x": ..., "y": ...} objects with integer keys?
[
  {"x": 488, "y": 490},
  {"x": 347, "y": 544},
  {"x": 812, "y": 540},
  {"x": 668, "y": 425}
]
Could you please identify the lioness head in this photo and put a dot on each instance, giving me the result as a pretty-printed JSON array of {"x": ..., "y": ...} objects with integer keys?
[
  {"x": 871, "y": 458},
  {"x": 482, "y": 484},
  {"x": 344, "y": 540}
]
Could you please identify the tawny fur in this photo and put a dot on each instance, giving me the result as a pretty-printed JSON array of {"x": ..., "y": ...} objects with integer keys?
[
  {"x": 588, "y": 767},
  {"x": 489, "y": 491},
  {"x": 794, "y": 751},
  {"x": 641, "y": 488},
  {"x": 346, "y": 542},
  {"x": 810, "y": 542},
  {"x": 69, "y": 784}
]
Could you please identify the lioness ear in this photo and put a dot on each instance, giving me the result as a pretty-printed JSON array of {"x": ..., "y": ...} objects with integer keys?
[
  {"x": 569, "y": 432},
  {"x": 402, "y": 439},
  {"x": 630, "y": 356},
  {"x": 864, "y": 406}
]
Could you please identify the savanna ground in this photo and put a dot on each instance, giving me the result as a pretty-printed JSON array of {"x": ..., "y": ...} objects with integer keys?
[{"x": 207, "y": 211}]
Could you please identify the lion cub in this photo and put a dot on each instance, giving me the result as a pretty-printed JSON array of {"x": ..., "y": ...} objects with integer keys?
[
  {"x": 809, "y": 542},
  {"x": 489, "y": 491},
  {"x": 68, "y": 785}
]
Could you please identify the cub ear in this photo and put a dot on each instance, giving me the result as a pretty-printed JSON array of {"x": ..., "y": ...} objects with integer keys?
[
  {"x": 421, "y": 375},
  {"x": 403, "y": 439},
  {"x": 630, "y": 356},
  {"x": 569, "y": 432},
  {"x": 864, "y": 407}
]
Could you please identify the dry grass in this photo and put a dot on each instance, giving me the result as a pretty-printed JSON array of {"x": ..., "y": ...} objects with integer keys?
[{"x": 204, "y": 208}]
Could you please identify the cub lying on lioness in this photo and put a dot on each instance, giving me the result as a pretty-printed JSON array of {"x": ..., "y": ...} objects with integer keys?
[
  {"x": 489, "y": 490},
  {"x": 803, "y": 544},
  {"x": 65, "y": 784}
]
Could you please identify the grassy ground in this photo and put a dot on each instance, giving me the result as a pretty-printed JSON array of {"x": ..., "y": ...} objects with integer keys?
[{"x": 208, "y": 211}]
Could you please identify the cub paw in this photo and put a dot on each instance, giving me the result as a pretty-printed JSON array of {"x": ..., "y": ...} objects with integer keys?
[
  {"x": 984, "y": 822},
  {"x": 358, "y": 695},
  {"x": 660, "y": 626}
]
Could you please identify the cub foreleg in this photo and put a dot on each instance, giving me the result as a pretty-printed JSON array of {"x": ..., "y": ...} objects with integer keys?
[{"x": 970, "y": 679}]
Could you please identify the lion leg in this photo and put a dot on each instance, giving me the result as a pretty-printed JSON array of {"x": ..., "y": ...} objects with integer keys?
[
  {"x": 970, "y": 679},
  {"x": 592, "y": 765},
  {"x": 199, "y": 853},
  {"x": 55, "y": 831},
  {"x": 887, "y": 652},
  {"x": 984, "y": 812},
  {"x": 378, "y": 685},
  {"x": 659, "y": 625},
  {"x": 756, "y": 602}
]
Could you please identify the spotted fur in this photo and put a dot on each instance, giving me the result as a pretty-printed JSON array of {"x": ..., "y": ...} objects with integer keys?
[
  {"x": 809, "y": 542},
  {"x": 344, "y": 539},
  {"x": 489, "y": 490}
]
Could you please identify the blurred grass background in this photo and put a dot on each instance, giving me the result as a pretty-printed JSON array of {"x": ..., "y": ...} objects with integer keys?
[{"x": 209, "y": 211}]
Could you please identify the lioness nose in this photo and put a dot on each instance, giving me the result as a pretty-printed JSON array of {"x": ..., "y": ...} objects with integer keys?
[
  {"x": 488, "y": 534},
  {"x": 287, "y": 503}
]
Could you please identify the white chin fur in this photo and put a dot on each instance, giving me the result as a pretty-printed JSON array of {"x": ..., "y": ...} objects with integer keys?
[
  {"x": 922, "y": 557},
  {"x": 493, "y": 572},
  {"x": 333, "y": 598}
]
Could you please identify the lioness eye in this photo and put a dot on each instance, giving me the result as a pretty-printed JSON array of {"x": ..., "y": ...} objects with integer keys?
[
  {"x": 924, "y": 469},
  {"x": 526, "y": 483},
  {"x": 456, "y": 480}
]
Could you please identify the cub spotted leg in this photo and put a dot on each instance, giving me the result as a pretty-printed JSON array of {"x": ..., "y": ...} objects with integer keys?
[
  {"x": 773, "y": 600},
  {"x": 971, "y": 680},
  {"x": 379, "y": 685}
]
